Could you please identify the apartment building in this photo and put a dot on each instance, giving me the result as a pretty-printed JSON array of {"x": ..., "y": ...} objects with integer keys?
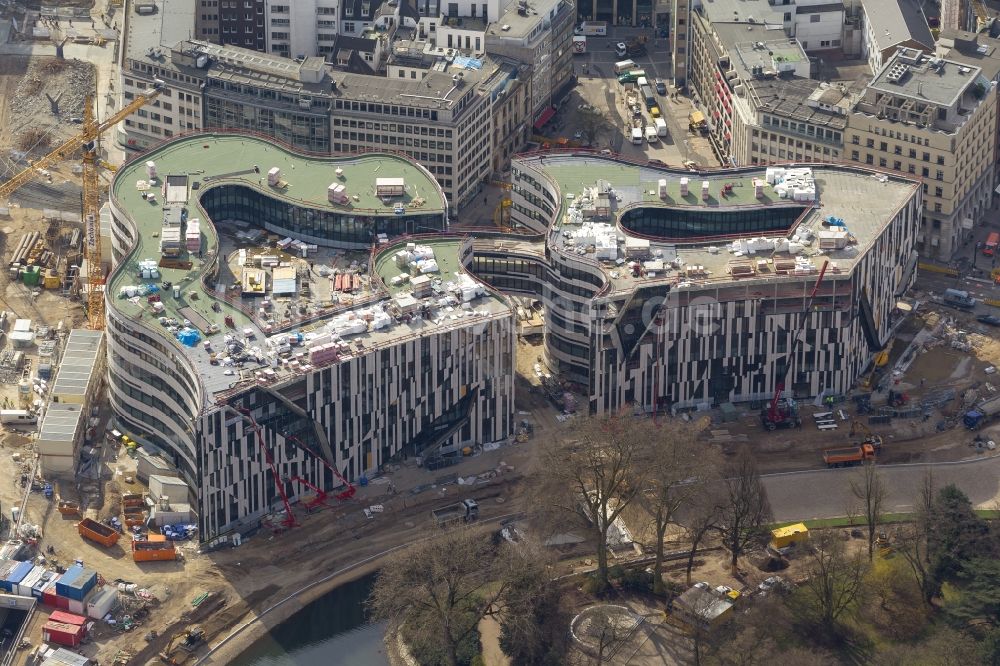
[
  {"x": 717, "y": 270},
  {"x": 739, "y": 76},
  {"x": 542, "y": 39},
  {"x": 979, "y": 50},
  {"x": 888, "y": 25},
  {"x": 680, "y": 41},
  {"x": 799, "y": 120},
  {"x": 936, "y": 119},
  {"x": 233, "y": 22},
  {"x": 301, "y": 28}
]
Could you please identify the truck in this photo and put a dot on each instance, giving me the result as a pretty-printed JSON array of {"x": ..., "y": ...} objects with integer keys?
[
  {"x": 17, "y": 417},
  {"x": 465, "y": 511},
  {"x": 592, "y": 29},
  {"x": 958, "y": 298},
  {"x": 852, "y": 455},
  {"x": 982, "y": 412},
  {"x": 697, "y": 122},
  {"x": 579, "y": 44},
  {"x": 651, "y": 135},
  {"x": 631, "y": 49},
  {"x": 647, "y": 95},
  {"x": 97, "y": 532},
  {"x": 661, "y": 126},
  {"x": 154, "y": 548}
]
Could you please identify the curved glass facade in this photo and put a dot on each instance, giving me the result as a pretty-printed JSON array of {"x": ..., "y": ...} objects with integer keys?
[
  {"x": 227, "y": 202},
  {"x": 680, "y": 223}
]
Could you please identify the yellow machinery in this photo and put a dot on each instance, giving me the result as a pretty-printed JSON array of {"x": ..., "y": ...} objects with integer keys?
[
  {"x": 86, "y": 141},
  {"x": 880, "y": 361}
]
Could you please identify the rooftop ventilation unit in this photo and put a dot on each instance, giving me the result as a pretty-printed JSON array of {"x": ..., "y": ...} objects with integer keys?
[{"x": 897, "y": 72}]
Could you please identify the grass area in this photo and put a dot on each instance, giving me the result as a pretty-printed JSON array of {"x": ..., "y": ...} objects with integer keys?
[{"x": 844, "y": 521}]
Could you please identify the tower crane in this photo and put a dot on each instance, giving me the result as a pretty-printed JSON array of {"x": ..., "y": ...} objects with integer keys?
[{"x": 86, "y": 142}]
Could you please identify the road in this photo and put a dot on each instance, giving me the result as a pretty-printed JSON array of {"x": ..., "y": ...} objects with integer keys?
[{"x": 827, "y": 493}]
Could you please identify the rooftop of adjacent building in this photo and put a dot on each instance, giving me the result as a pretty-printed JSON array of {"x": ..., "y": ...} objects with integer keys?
[
  {"x": 172, "y": 21},
  {"x": 79, "y": 359},
  {"x": 897, "y": 21},
  {"x": 440, "y": 88},
  {"x": 514, "y": 23},
  {"x": 910, "y": 73},
  {"x": 865, "y": 199},
  {"x": 977, "y": 49},
  {"x": 805, "y": 100}
]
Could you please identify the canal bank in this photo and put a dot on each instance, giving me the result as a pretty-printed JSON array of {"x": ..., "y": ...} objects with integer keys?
[{"x": 241, "y": 638}]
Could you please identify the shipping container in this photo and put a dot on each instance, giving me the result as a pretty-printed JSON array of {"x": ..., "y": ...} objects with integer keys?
[
  {"x": 49, "y": 594},
  {"x": 98, "y": 532},
  {"x": 15, "y": 576},
  {"x": 28, "y": 582},
  {"x": 102, "y": 603},
  {"x": 78, "y": 588},
  {"x": 68, "y": 577},
  {"x": 67, "y": 618},
  {"x": 77, "y": 606},
  {"x": 62, "y": 634},
  {"x": 43, "y": 582}
]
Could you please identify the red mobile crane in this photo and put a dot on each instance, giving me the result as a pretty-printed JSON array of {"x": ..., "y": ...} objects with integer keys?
[
  {"x": 289, "y": 519},
  {"x": 345, "y": 494},
  {"x": 787, "y": 416},
  {"x": 318, "y": 500}
]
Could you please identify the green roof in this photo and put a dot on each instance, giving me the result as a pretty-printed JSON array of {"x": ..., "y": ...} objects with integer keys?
[{"x": 231, "y": 158}]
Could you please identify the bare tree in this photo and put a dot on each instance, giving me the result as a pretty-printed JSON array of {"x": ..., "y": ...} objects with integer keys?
[
  {"x": 746, "y": 510},
  {"x": 834, "y": 582},
  {"x": 601, "y": 471},
  {"x": 592, "y": 124},
  {"x": 703, "y": 519},
  {"x": 870, "y": 490},
  {"x": 441, "y": 588},
  {"x": 679, "y": 468},
  {"x": 912, "y": 540}
]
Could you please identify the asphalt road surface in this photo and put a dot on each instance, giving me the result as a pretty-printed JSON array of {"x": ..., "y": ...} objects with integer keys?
[{"x": 827, "y": 493}]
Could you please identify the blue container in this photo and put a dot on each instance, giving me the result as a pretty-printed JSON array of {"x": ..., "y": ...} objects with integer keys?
[
  {"x": 16, "y": 575},
  {"x": 63, "y": 583},
  {"x": 78, "y": 588}
]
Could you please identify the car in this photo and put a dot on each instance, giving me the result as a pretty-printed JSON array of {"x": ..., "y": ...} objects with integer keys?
[
  {"x": 578, "y": 135},
  {"x": 991, "y": 320},
  {"x": 773, "y": 584},
  {"x": 661, "y": 88}
]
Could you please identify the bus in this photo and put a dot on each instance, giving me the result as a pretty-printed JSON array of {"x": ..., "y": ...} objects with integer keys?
[{"x": 990, "y": 246}]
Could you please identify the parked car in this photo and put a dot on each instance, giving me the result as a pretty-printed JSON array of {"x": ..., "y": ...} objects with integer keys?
[
  {"x": 992, "y": 320},
  {"x": 773, "y": 584},
  {"x": 661, "y": 88}
]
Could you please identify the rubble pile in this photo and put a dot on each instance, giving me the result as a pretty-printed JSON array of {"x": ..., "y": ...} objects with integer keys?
[{"x": 69, "y": 85}]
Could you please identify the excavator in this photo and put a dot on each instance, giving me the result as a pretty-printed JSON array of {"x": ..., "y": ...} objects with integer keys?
[
  {"x": 86, "y": 142},
  {"x": 870, "y": 437},
  {"x": 182, "y": 645}
]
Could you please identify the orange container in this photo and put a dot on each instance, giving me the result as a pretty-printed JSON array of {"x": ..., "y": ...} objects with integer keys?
[
  {"x": 95, "y": 531},
  {"x": 153, "y": 551}
]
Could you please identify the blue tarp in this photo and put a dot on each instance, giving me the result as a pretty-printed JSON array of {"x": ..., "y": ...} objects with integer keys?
[
  {"x": 188, "y": 337},
  {"x": 467, "y": 63}
]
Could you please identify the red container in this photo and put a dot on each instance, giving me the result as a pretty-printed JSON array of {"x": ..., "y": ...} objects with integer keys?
[
  {"x": 70, "y": 635},
  {"x": 63, "y": 617}
]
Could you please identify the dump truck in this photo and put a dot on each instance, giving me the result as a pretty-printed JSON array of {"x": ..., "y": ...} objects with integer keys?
[
  {"x": 465, "y": 511},
  {"x": 852, "y": 455},
  {"x": 981, "y": 413},
  {"x": 154, "y": 548},
  {"x": 98, "y": 532},
  {"x": 697, "y": 122}
]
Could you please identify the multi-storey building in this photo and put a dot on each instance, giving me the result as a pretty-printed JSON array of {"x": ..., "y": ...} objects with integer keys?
[
  {"x": 680, "y": 41},
  {"x": 233, "y": 22},
  {"x": 717, "y": 272},
  {"x": 302, "y": 28},
  {"x": 400, "y": 366},
  {"x": 936, "y": 119},
  {"x": 982, "y": 51}
]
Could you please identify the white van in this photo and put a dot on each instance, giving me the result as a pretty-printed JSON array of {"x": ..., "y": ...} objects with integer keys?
[
  {"x": 17, "y": 417},
  {"x": 661, "y": 126},
  {"x": 637, "y": 136},
  {"x": 651, "y": 134},
  {"x": 624, "y": 66},
  {"x": 641, "y": 81}
]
